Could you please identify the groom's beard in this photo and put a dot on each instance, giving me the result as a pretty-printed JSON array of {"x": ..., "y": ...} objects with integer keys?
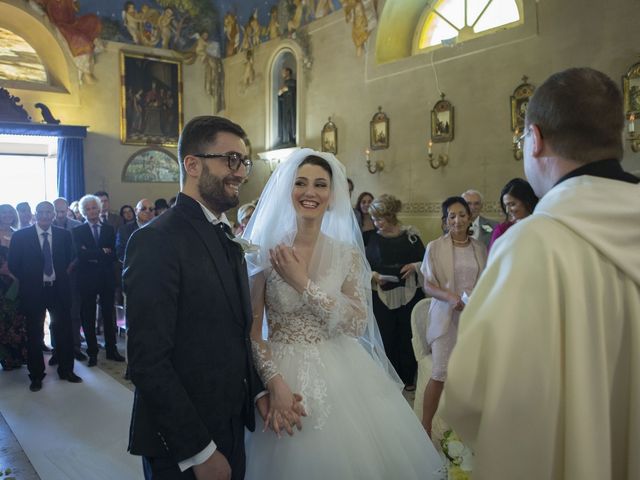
[{"x": 213, "y": 192}]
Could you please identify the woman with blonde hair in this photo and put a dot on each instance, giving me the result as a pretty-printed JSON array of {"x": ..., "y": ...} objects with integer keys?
[
  {"x": 394, "y": 252},
  {"x": 8, "y": 223}
]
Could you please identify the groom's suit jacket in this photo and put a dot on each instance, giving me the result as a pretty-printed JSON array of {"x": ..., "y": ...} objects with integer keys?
[{"x": 189, "y": 351}]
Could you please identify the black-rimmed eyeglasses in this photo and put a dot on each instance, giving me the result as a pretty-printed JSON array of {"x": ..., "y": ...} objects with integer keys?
[{"x": 234, "y": 160}]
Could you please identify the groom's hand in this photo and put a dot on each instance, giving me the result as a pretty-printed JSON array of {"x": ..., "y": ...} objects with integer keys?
[{"x": 215, "y": 468}]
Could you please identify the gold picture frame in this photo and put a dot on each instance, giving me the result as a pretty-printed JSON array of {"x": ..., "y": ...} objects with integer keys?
[
  {"x": 379, "y": 130},
  {"x": 519, "y": 103},
  {"x": 442, "y": 122},
  {"x": 150, "y": 100},
  {"x": 151, "y": 165},
  {"x": 631, "y": 91},
  {"x": 329, "y": 137}
]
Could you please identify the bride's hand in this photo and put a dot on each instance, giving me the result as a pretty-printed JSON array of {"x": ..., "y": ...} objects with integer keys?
[
  {"x": 289, "y": 266},
  {"x": 285, "y": 408}
]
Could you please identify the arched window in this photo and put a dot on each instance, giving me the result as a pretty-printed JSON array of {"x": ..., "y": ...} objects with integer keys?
[
  {"x": 461, "y": 20},
  {"x": 19, "y": 61}
]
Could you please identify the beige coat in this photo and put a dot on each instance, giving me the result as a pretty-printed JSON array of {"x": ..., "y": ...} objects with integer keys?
[{"x": 437, "y": 268}]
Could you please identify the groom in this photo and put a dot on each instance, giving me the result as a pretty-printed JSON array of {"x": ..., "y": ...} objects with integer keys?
[{"x": 188, "y": 313}]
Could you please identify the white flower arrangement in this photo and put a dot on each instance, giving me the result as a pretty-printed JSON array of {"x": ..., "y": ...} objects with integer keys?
[
  {"x": 459, "y": 456},
  {"x": 246, "y": 246}
]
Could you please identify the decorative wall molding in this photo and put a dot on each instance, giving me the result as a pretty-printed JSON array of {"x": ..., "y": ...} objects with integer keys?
[{"x": 432, "y": 209}]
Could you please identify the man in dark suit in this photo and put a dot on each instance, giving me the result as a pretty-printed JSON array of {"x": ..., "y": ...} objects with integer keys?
[
  {"x": 39, "y": 257},
  {"x": 95, "y": 249},
  {"x": 106, "y": 216},
  {"x": 61, "y": 207},
  {"x": 144, "y": 214},
  {"x": 482, "y": 227},
  {"x": 189, "y": 315}
]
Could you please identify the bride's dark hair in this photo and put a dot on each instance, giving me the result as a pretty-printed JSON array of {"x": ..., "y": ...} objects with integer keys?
[{"x": 319, "y": 162}]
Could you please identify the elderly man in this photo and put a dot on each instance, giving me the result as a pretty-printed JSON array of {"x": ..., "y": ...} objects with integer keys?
[
  {"x": 144, "y": 214},
  {"x": 95, "y": 248},
  {"x": 543, "y": 382},
  {"x": 39, "y": 257},
  {"x": 482, "y": 227}
]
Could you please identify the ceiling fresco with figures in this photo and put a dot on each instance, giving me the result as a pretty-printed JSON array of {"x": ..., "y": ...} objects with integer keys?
[{"x": 226, "y": 26}]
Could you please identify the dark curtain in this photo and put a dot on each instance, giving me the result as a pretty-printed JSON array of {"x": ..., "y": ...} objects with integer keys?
[
  {"x": 70, "y": 168},
  {"x": 70, "y": 152}
]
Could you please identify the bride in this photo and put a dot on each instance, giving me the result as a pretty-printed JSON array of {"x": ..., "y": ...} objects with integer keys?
[{"x": 311, "y": 284}]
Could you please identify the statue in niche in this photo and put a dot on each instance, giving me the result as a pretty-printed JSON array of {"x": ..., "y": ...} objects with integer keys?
[{"x": 287, "y": 109}]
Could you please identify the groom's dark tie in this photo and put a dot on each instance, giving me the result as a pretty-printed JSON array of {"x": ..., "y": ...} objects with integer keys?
[{"x": 225, "y": 236}]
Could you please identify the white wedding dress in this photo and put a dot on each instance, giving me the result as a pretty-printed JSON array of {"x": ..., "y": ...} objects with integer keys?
[{"x": 359, "y": 426}]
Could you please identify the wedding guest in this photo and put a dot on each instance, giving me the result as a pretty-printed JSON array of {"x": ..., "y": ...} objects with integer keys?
[
  {"x": 127, "y": 214},
  {"x": 144, "y": 214},
  {"x": 94, "y": 242},
  {"x": 24, "y": 215},
  {"x": 75, "y": 210},
  {"x": 451, "y": 267},
  {"x": 394, "y": 252},
  {"x": 244, "y": 215},
  {"x": 518, "y": 201},
  {"x": 160, "y": 206},
  {"x": 8, "y": 224},
  {"x": 481, "y": 227},
  {"x": 544, "y": 382},
  {"x": 63, "y": 221},
  {"x": 39, "y": 257},
  {"x": 362, "y": 215},
  {"x": 13, "y": 333},
  {"x": 106, "y": 216}
]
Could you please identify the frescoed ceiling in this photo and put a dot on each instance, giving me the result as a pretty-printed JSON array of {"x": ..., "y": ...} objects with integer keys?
[{"x": 188, "y": 20}]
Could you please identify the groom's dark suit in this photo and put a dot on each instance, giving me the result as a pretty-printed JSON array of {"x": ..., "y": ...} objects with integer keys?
[{"x": 189, "y": 315}]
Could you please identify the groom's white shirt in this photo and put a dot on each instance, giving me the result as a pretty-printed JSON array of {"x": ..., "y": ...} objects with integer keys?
[{"x": 204, "y": 455}]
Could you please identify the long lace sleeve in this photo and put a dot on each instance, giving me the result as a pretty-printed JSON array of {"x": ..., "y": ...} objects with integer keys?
[
  {"x": 261, "y": 350},
  {"x": 346, "y": 310}
]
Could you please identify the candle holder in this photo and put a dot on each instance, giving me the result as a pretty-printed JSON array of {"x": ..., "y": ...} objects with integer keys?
[
  {"x": 436, "y": 161},
  {"x": 516, "y": 146},
  {"x": 632, "y": 137},
  {"x": 377, "y": 166}
]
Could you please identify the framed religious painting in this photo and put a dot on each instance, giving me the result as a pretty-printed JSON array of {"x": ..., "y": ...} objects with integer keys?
[
  {"x": 631, "y": 91},
  {"x": 442, "y": 121},
  {"x": 329, "y": 137},
  {"x": 151, "y": 165},
  {"x": 379, "y": 131},
  {"x": 519, "y": 103},
  {"x": 150, "y": 100}
]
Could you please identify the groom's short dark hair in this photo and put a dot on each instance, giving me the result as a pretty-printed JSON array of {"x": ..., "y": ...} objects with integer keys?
[{"x": 201, "y": 132}]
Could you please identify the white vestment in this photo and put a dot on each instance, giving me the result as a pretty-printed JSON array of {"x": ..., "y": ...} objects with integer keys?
[{"x": 544, "y": 382}]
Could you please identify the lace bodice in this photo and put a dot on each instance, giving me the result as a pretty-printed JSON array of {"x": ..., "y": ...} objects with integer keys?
[{"x": 334, "y": 303}]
